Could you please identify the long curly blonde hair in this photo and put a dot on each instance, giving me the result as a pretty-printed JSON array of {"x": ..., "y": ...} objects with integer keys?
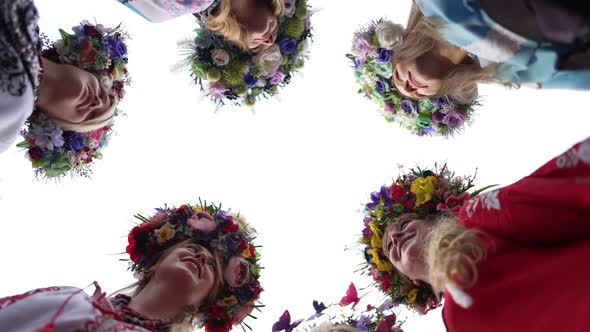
[{"x": 225, "y": 23}]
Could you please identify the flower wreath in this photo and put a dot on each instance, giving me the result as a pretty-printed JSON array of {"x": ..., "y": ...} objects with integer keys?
[
  {"x": 372, "y": 54},
  {"x": 227, "y": 74},
  {"x": 420, "y": 192},
  {"x": 220, "y": 231},
  {"x": 52, "y": 151}
]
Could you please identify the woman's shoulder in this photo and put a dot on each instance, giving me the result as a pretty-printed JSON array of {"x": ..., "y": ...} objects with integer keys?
[{"x": 20, "y": 47}]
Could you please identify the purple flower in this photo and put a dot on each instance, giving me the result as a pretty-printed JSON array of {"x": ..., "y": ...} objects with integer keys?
[
  {"x": 454, "y": 119},
  {"x": 74, "y": 141},
  {"x": 117, "y": 48},
  {"x": 382, "y": 85},
  {"x": 390, "y": 108},
  {"x": 217, "y": 90},
  {"x": 250, "y": 80},
  {"x": 439, "y": 101},
  {"x": 437, "y": 117},
  {"x": 308, "y": 22},
  {"x": 384, "y": 55},
  {"x": 288, "y": 46},
  {"x": 408, "y": 106},
  {"x": 363, "y": 47},
  {"x": 278, "y": 77},
  {"x": 357, "y": 63}
]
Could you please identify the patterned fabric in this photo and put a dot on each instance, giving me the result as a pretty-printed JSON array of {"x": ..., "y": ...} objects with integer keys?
[
  {"x": 520, "y": 60},
  {"x": 163, "y": 10},
  {"x": 537, "y": 230},
  {"x": 20, "y": 48},
  {"x": 39, "y": 308}
]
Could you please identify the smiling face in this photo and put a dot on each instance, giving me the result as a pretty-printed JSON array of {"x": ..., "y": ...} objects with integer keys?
[
  {"x": 190, "y": 270},
  {"x": 404, "y": 244},
  {"x": 258, "y": 18},
  {"x": 421, "y": 77},
  {"x": 72, "y": 95}
]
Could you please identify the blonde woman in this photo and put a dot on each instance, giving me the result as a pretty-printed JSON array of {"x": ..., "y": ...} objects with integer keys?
[
  {"x": 196, "y": 266},
  {"x": 450, "y": 46},
  {"x": 251, "y": 24},
  {"x": 68, "y": 95},
  {"x": 506, "y": 260}
]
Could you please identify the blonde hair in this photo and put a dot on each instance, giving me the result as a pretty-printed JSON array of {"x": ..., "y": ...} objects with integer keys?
[
  {"x": 452, "y": 254},
  {"x": 103, "y": 120},
  {"x": 225, "y": 23},
  {"x": 184, "y": 321},
  {"x": 421, "y": 35}
]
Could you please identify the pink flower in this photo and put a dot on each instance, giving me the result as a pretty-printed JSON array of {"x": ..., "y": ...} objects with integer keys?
[
  {"x": 237, "y": 272},
  {"x": 387, "y": 324},
  {"x": 363, "y": 47},
  {"x": 278, "y": 77},
  {"x": 453, "y": 203},
  {"x": 217, "y": 90},
  {"x": 202, "y": 221}
]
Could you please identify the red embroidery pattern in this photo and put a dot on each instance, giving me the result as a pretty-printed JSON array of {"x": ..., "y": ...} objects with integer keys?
[{"x": 5, "y": 302}]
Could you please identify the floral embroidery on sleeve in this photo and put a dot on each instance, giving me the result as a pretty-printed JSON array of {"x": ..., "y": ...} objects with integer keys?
[
  {"x": 486, "y": 201},
  {"x": 572, "y": 157}
]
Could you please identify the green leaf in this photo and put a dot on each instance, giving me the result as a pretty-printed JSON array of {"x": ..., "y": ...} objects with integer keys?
[
  {"x": 24, "y": 145},
  {"x": 477, "y": 192}
]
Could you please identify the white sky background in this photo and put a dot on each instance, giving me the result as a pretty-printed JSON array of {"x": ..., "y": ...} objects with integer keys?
[{"x": 299, "y": 169}]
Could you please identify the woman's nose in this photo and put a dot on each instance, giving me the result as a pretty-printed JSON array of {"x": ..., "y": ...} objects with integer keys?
[{"x": 202, "y": 258}]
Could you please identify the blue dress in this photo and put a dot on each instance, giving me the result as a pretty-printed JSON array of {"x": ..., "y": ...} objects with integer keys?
[
  {"x": 520, "y": 60},
  {"x": 163, "y": 10}
]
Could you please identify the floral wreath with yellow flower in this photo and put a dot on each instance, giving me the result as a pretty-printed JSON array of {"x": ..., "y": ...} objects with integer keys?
[
  {"x": 102, "y": 51},
  {"x": 228, "y": 74},
  {"x": 421, "y": 192},
  {"x": 223, "y": 233},
  {"x": 373, "y": 52}
]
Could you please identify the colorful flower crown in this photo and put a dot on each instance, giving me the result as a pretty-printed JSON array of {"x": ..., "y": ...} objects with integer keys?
[
  {"x": 52, "y": 151},
  {"x": 227, "y": 74},
  {"x": 219, "y": 231},
  {"x": 372, "y": 53},
  {"x": 424, "y": 193}
]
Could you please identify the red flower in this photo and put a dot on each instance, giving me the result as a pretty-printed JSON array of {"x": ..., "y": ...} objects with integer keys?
[
  {"x": 91, "y": 31},
  {"x": 230, "y": 227},
  {"x": 252, "y": 251},
  {"x": 185, "y": 209},
  {"x": 88, "y": 54},
  {"x": 396, "y": 192},
  {"x": 386, "y": 282},
  {"x": 36, "y": 153},
  {"x": 386, "y": 324},
  {"x": 132, "y": 248},
  {"x": 453, "y": 203}
]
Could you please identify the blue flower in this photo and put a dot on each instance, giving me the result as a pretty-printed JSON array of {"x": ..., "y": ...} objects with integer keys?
[
  {"x": 384, "y": 55},
  {"x": 288, "y": 46},
  {"x": 117, "y": 48},
  {"x": 75, "y": 141},
  {"x": 357, "y": 63},
  {"x": 408, "y": 106},
  {"x": 382, "y": 85},
  {"x": 250, "y": 80},
  {"x": 203, "y": 39}
]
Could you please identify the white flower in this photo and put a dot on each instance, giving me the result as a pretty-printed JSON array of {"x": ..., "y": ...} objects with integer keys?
[
  {"x": 269, "y": 60},
  {"x": 261, "y": 82},
  {"x": 304, "y": 49},
  {"x": 220, "y": 57},
  {"x": 389, "y": 34},
  {"x": 289, "y": 8}
]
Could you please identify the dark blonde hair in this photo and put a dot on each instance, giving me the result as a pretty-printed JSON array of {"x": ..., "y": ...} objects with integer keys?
[
  {"x": 421, "y": 35},
  {"x": 225, "y": 23},
  {"x": 184, "y": 321}
]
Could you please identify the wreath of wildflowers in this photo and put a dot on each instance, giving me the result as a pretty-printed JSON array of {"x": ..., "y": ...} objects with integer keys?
[
  {"x": 218, "y": 230},
  {"x": 52, "y": 151},
  {"x": 228, "y": 74},
  {"x": 421, "y": 192},
  {"x": 372, "y": 53}
]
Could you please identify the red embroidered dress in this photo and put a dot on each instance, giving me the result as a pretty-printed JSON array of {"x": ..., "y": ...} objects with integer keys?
[
  {"x": 69, "y": 309},
  {"x": 536, "y": 275}
]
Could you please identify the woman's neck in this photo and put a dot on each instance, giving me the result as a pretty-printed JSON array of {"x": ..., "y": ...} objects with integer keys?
[
  {"x": 156, "y": 302},
  {"x": 455, "y": 54}
]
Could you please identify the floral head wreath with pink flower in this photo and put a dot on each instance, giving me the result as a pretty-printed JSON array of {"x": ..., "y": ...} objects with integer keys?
[
  {"x": 220, "y": 231},
  {"x": 372, "y": 53},
  {"x": 420, "y": 192},
  {"x": 101, "y": 51},
  {"x": 229, "y": 75}
]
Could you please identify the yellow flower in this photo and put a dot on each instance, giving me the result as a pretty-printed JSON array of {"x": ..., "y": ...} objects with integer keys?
[
  {"x": 229, "y": 301},
  {"x": 117, "y": 74},
  {"x": 377, "y": 238},
  {"x": 165, "y": 233},
  {"x": 199, "y": 208},
  {"x": 411, "y": 296},
  {"x": 382, "y": 264},
  {"x": 424, "y": 188}
]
